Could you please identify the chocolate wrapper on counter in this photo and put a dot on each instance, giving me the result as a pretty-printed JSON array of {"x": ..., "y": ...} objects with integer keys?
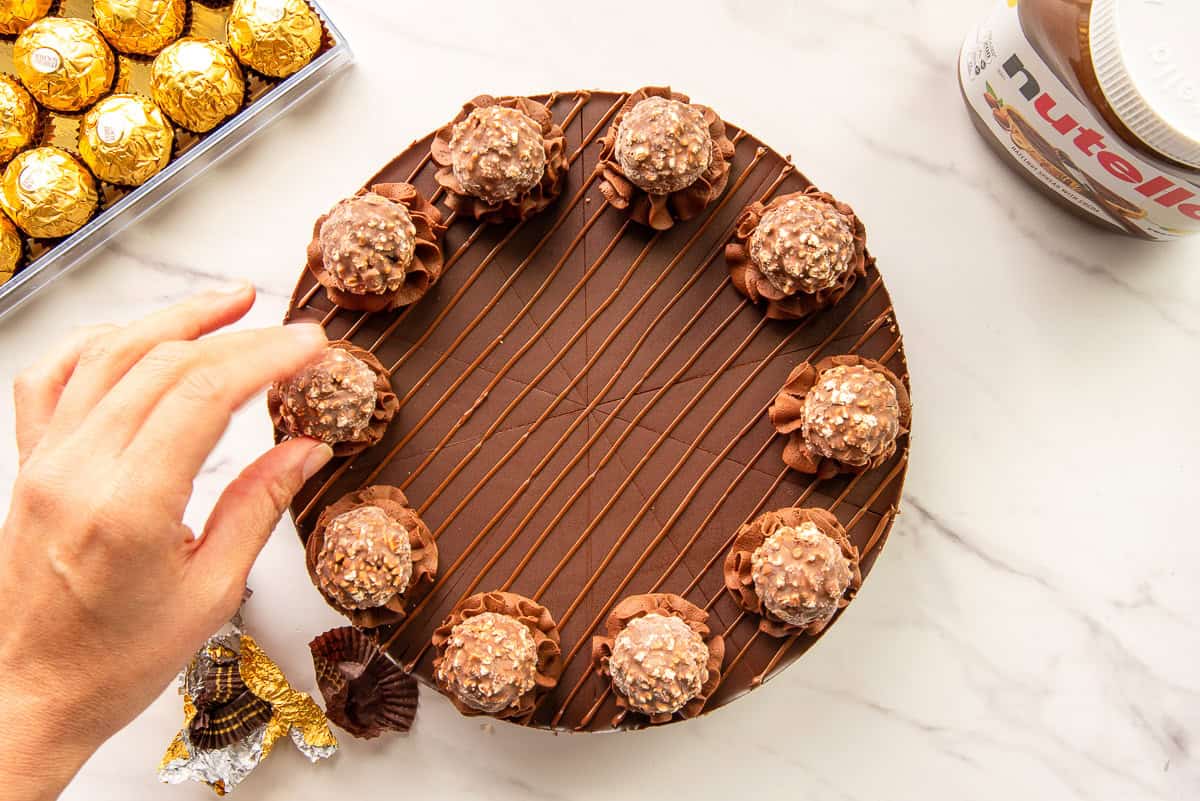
[
  {"x": 365, "y": 692},
  {"x": 237, "y": 705}
]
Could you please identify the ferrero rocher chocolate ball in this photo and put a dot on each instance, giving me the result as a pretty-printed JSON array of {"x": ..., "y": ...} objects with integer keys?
[
  {"x": 64, "y": 63},
  {"x": 367, "y": 244},
  {"x": 800, "y": 574},
  {"x": 15, "y": 15},
  {"x": 658, "y": 664},
  {"x": 125, "y": 139},
  {"x": 803, "y": 245},
  {"x": 48, "y": 193},
  {"x": 18, "y": 118},
  {"x": 489, "y": 662},
  {"x": 140, "y": 26},
  {"x": 851, "y": 415},
  {"x": 10, "y": 249},
  {"x": 497, "y": 153},
  {"x": 365, "y": 560},
  {"x": 331, "y": 400},
  {"x": 663, "y": 145},
  {"x": 275, "y": 37},
  {"x": 197, "y": 83}
]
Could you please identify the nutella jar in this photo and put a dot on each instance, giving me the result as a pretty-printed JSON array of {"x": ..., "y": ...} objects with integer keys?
[{"x": 1097, "y": 102}]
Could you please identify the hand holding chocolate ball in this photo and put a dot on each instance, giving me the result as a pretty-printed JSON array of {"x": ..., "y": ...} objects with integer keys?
[{"x": 106, "y": 591}]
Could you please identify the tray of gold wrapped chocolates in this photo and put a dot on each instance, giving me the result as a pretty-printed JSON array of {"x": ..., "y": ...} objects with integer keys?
[{"x": 109, "y": 106}]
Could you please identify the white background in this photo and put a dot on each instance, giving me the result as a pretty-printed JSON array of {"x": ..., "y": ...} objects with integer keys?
[{"x": 1030, "y": 631}]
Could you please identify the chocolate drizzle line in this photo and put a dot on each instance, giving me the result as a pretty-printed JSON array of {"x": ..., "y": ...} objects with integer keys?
[{"x": 583, "y": 570}]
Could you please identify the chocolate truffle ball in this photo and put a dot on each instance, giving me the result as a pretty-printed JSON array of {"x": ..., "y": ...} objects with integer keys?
[
  {"x": 367, "y": 244},
  {"x": 497, "y": 153},
  {"x": 332, "y": 399},
  {"x": 851, "y": 415},
  {"x": 489, "y": 662},
  {"x": 800, "y": 574},
  {"x": 663, "y": 145},
  {"x": 658, "y": 664},
  {"x": 803, "y": 245},
  {"x": 366, "y": 559}
]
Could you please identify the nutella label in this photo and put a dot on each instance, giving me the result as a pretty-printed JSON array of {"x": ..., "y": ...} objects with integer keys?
[{"x": 1062, "y": 142}]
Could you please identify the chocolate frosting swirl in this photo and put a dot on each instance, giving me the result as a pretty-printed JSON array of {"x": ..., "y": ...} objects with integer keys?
[
  {"x": 750, "y": 281},
  {"x": 422, "y": 273},
  {"x": 534, "y": 617},
  {"x": 386, "y": 404},
  {"x": 740, "y": 583},
  {"x": 661, "y": 212},
  {"x": 787, "y": 415},
  {"x": 545, "y": 192},
  {"x": 424, "y": 553},
  {"x": 636, "y": 606}
]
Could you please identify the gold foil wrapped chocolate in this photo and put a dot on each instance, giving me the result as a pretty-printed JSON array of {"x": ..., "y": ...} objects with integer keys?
[
  {"x": 274, "y": 37},
  {"x": 18, "y": 118},
  {"x": 48, "y": 193},
  {"x": 197, "y": 83},
  {"x": 140, "y": 26},
  {"x": 10, "y": 249},
  {"x": 125, "y": 139},
  {"x": 237, "y": 705},
  {"x": 16, "y": 15},
  {"x": 64, "y": 63}
]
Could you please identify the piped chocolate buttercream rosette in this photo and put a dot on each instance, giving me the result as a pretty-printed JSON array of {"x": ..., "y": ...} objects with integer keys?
[
  {"x": 500, "y": 158},
  {"x": 365, "y": 692},
  {"x": 664, "y": 159},
  {"x": 798, "y": 254},
  {"x": 841, "y": 415},
  {"x": 498, "y": 653},
  {"x": 660, "y": 655},
  {"x": 379, "y": 250},
  {"x": 793, "y": 567},
  {"x": 371, "y": 556}
]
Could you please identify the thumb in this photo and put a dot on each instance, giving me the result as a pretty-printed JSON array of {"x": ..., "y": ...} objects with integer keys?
[{"x": 247, "y": 512}]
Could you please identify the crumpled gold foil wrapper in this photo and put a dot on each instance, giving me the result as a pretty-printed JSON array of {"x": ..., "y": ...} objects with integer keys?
[
  {"x": 294, "y": 716},
  {"x": 10, "y": 249},
  {"x": 64, "y": 63},
  {"x": 198, "y": 83},
  {"x": 140, "y": 26},
  {"x": 48, "y": 193},
  {"x": 18, "y": 118},
  {"x": 125, "y": 139},
  {"x": 16, "y": 15},
  {"x": 274, "y": 37}
]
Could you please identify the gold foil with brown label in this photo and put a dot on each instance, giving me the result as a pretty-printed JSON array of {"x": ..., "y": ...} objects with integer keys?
[
  {"x": 125, "y": 139},
  {"x": 64, "y": 63},
  {"x": 48, "y": 193}
]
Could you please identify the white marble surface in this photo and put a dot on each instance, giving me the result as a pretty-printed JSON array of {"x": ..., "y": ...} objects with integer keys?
[{"x": 1031, "y": 630}]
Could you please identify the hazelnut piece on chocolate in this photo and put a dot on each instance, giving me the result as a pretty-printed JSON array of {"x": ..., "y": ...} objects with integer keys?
[
  {"x": 803, "y": 245},
  {"x": 366, "y": 559},
  {"x": 663, "y": 145},
  {"x": 800, "y": 574},
  {"x": 852, "y": 414},
  {"x": 333, "y": 399},
  {"x": 497, "y": 153},
  {"x": 367, "y": 244},
  {"x": 489, "y": 662},
  {"x": 658, "y": 664}
]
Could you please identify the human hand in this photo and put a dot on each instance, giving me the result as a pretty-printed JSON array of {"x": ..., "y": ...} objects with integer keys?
[{"x": 106, "y": 592}]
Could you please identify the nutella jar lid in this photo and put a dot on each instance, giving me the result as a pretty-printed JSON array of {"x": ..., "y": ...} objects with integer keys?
[{"x": 1147, "y": 59}]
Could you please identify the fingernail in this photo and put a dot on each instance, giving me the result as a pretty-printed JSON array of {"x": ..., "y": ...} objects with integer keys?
[
  {"x": 307, "y": 332},
  {"x": 235, "y": 288},
  {"x": 317, "y": 458}
]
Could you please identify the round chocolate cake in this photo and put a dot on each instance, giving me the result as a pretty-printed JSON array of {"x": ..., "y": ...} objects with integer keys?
[{"x": 585, "y": 415}]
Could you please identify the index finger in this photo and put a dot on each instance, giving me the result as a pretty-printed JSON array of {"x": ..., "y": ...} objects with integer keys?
[{"x": 220, "y": 375}]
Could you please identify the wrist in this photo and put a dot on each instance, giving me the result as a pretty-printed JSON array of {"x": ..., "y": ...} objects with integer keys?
[{"x": 46, "y": 739}]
